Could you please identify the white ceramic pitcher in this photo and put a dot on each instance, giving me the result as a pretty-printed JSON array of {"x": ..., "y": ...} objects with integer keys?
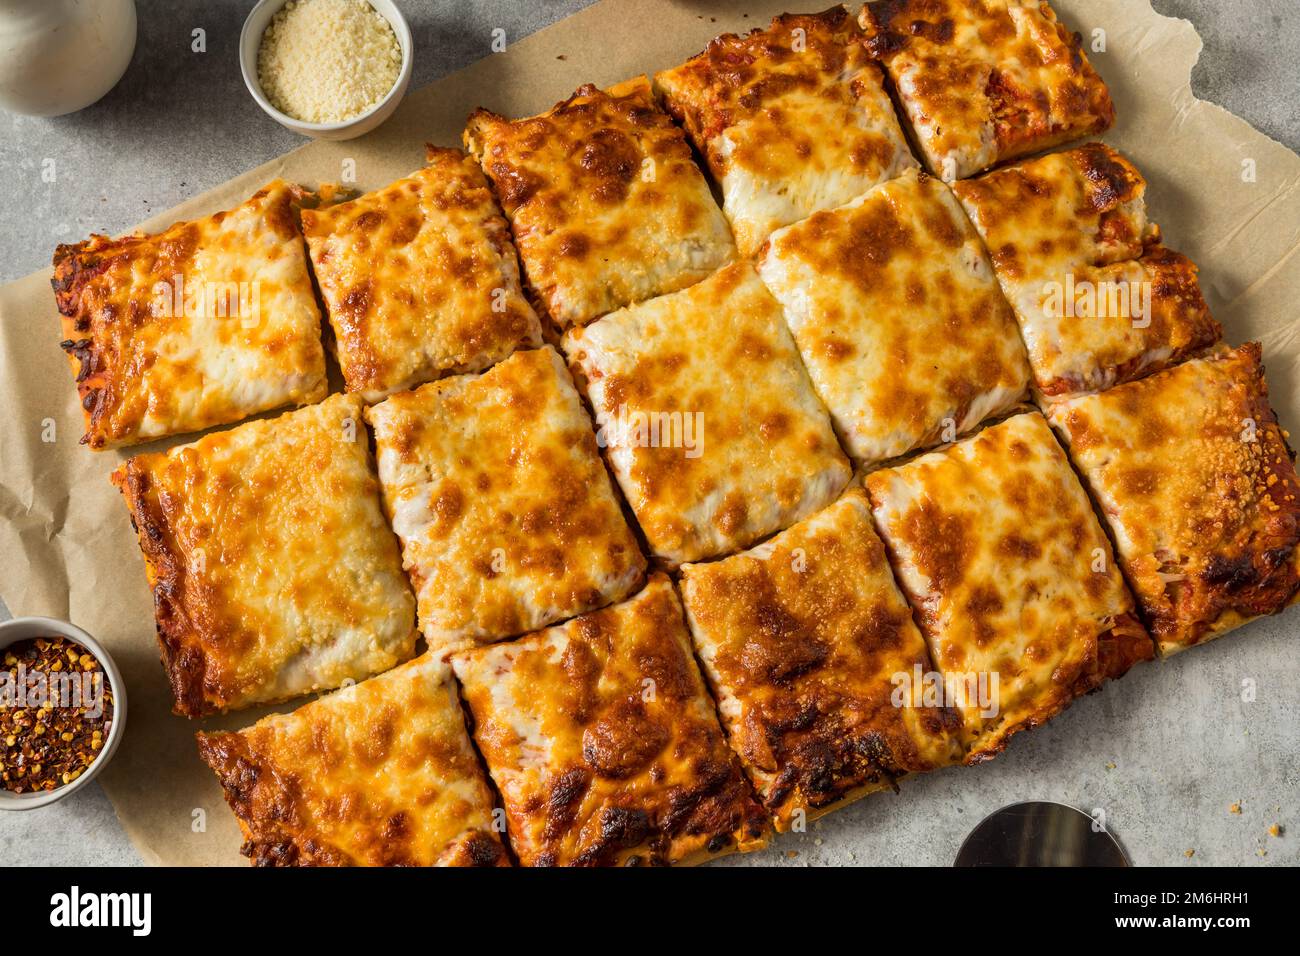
[{"x": 57, "y": 56}]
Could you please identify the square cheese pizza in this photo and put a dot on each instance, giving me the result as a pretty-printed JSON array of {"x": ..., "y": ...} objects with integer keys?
[
  {"x": 898, "y": 317},
  {"x": 985, "y": 81},
  {"x": 605, "y": 200},
  {"x": 378, "y": 774},
  {"x": 273, "y": 571},
  {"x": 205, "y": 323},
  {"x": 1099, "y": 299},
  {"x": 1198, "y": 484},
  {"x": 603, "y": 742},
  {"x": 707, "y": 416},
  {"x": 790, "y": 119},
  {"x": 1013, "y": 581},
  {"x": 816, "y": 664},
  {"x": 420, "y": 279},
  {"x": 507, "y": 517}
]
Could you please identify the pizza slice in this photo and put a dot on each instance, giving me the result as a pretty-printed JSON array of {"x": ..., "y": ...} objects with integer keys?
[
  {"x": 707, "y": 417},
  {"x": 898, "y": 317},
  {"x": 420, "y": 279},
  {"x": 494, "y": 484},
  {"x": 381, "y": 773},
  {"x": 995, "y": 543},
  {"x": 985, "y": 81},
  {"x": 203, "y": 324},
  {"x": 603, "y": 742},
  {"x": 272, "y": 569},
  {"x": 605, "y": 201},
  {"x": 791, "y": 119},
  {"x": 1099, "y": 298},
  {"x": 1198, "y": 484},
  {"x": 817, "y": 667}
]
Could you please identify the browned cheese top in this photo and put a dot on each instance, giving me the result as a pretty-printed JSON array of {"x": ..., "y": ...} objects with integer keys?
[
  {"x": 273, "y": 571},
  {"x": 804, "y": 640},
  {"x": 202, "y": 324},
  {"x": 603, "y": 742},
  {"x": 420, "y": 278},
  {"x": 1199, "y": 486},
  {"x": 997, "y": 547},
  {"x": 605, "y": 201},
  {"x": 985, "y": 81},
  {"x": 378, "y": 774}
]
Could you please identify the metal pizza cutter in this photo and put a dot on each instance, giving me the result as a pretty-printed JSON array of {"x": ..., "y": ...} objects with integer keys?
[{"x": 1039, "y": 833}]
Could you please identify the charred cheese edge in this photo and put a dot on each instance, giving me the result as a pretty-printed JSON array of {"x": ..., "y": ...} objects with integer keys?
[
  {"x": 790, "y": 119},
  {"x": 985, "y": 81},
  {"x": 605, "y": 201},
  {"x": 507, "y": 517},
  {"x": 898, "y": 317},
  {"x": 804, "y": 640},
  {"x": 707, "y": 416},
  {"x": 203, "y": 324},
  {"x": 995, "y": 543},
  {"x": 1099, "y": 299},
  {"x": 420, "y": 279},
  {"x": 378, "y": 774},
  {"x": 273, "y": 571},
  {"x": 1197, "y": 482},
  {"x": 603, "y": 742}
]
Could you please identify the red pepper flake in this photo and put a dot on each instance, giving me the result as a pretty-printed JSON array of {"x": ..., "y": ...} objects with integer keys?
[{"x": 56, "y": 711}]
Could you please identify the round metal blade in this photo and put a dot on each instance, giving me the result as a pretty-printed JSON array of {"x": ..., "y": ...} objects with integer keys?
[{"x": 1039, "y": 833}]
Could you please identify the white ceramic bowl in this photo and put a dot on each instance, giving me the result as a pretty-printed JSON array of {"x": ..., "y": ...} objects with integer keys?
[
  {"x": 22, "y": 628},
  {"x": 250, "y": 39}
]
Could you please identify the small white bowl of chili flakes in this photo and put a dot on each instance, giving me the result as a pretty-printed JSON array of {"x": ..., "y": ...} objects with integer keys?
[{"x": 62, "y": 711}]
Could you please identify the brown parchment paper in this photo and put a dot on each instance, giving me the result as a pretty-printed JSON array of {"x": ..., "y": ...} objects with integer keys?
[{"x": 66, "y": 546}]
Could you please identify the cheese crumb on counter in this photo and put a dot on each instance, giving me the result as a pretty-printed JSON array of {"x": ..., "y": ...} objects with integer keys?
[{"x": 327, "y": 61}]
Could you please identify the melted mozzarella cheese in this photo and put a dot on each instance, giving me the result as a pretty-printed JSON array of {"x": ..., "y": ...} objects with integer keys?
[
  {"x": 898, "y": 317},
  {"x": 378, "y": 774},
  {"x": 606, "y": 203},
  {"x": 1099, "y": 299},
  {"x": 273, "y": 570},
  {"x": 203, "y": 324},
  {"x": 791, "y": 119},
  {"x": 985, "y": 81},
  {"x": 603, "y": 742},
  {"x": 1193, "y": 475},
  {"x": 747, "y": 448},
  {"x": 812, "y": 623},
  {"x": 996, "y": 545},
  {"x": 507, "y": 518},
  {"x": 420, "y": 279}
]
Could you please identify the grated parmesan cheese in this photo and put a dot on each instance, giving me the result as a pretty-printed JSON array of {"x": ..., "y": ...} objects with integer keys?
[{"x": 327, "y": 61}]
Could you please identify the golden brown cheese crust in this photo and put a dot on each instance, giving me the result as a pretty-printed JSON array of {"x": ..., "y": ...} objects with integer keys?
[
  {"x": 273, "y": 571},
  {"x": 420, "y": 278},
  {"x": 379, "y": 774},
  {"x": 791, "y": 119},
  {"x": 582, "y": 184},
  {"x": 603, "y": 742},
  {"x": 1077, "y": 258},
  {"x": 203, "y": 324},
  {"x": 803, "y": 641},
  {"x": 996, "y": 545},
  {"x": 1199, "y": 486},
  {"x": 985, "y": 81},
  {"x": 507, "y": 517},
  {"x": 899, "y": 318},
  {"x": 707, "y": 416}
]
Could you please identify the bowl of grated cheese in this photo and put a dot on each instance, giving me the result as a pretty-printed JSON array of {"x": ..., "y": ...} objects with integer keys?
[{"x": 328, "y": 69}]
